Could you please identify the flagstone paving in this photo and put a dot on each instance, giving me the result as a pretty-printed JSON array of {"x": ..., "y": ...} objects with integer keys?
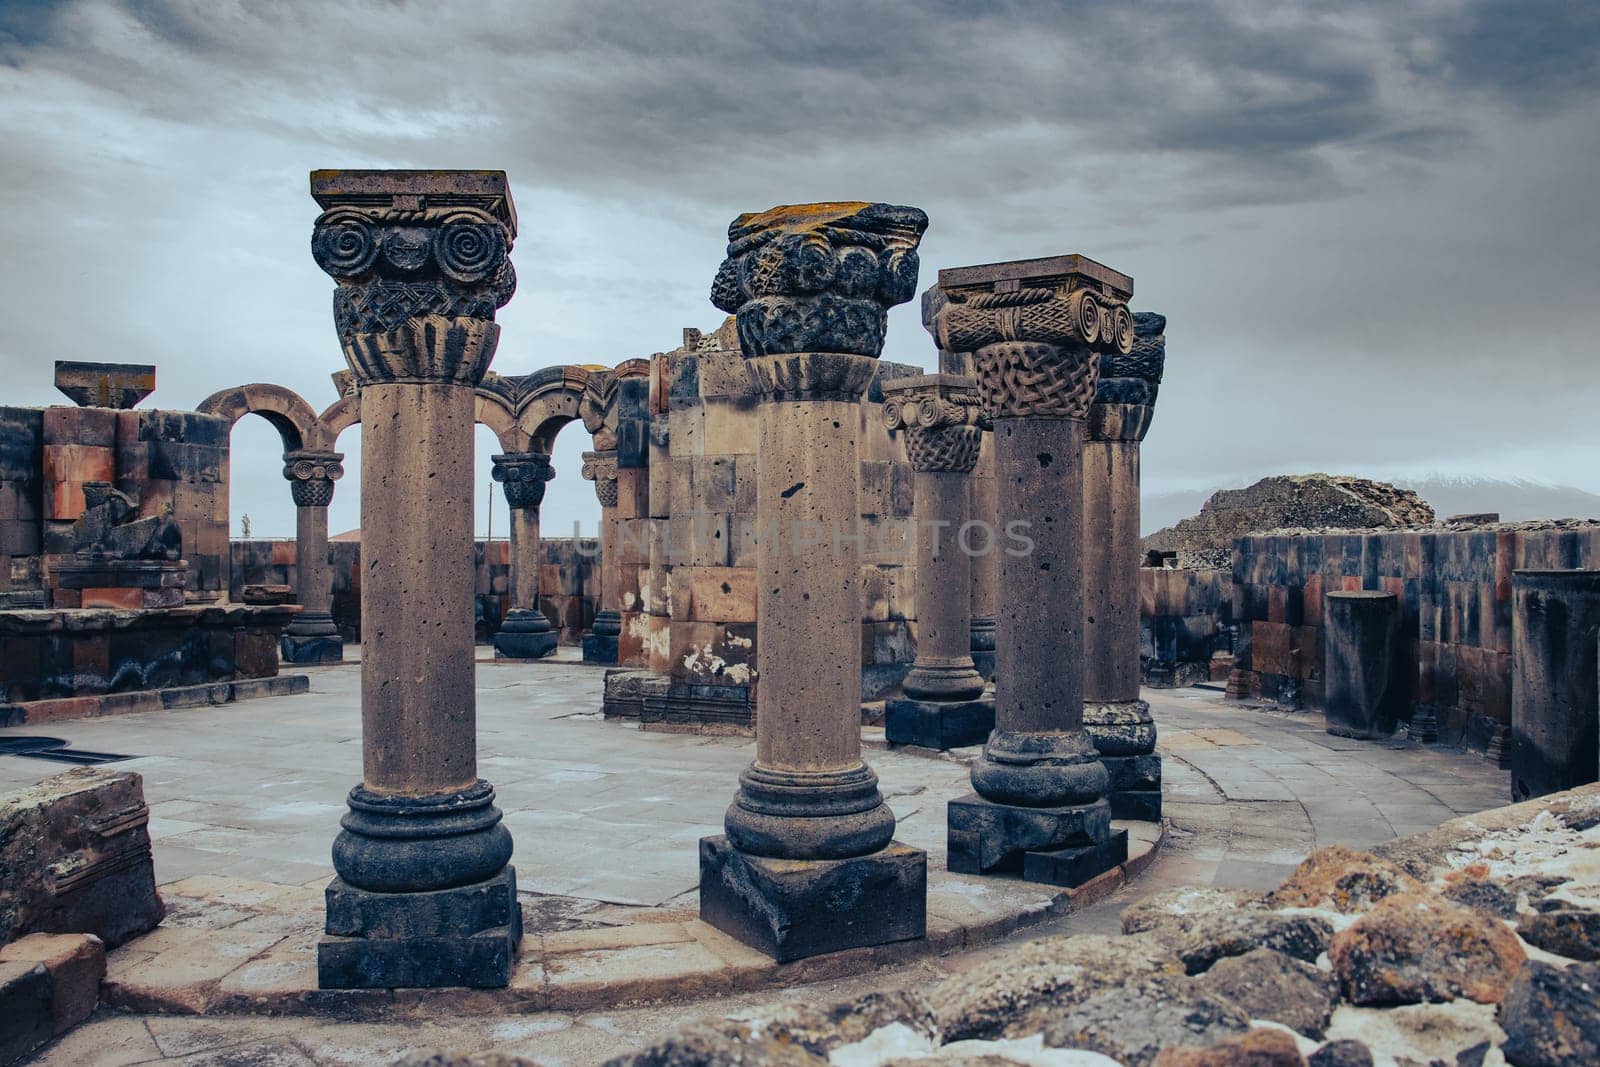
[{"x": 606, "y": 817}]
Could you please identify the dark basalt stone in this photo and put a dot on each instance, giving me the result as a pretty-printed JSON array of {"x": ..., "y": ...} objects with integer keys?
[
  {"x": 525, "y": 634},
  {"x": 409, "y": 844},
  {"x": 1075, "y": 866},
  {"x": 793, "y": 909},
  {"x": 939, "y": 724},
  {"x": 990, "y": 838}
]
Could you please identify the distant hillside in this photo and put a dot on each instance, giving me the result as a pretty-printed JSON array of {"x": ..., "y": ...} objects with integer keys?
[{"x": 1515, "y": 500}]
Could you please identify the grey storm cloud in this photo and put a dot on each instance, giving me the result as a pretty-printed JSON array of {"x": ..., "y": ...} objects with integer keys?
[{"x": 1370, "y": 224}]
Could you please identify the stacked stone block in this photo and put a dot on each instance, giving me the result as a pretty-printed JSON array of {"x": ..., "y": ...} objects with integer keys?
[{"x": 1183, "y": 616}]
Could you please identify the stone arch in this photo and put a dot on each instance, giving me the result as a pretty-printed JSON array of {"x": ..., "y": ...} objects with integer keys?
[
  {"x": 549, "y": 399},
  {"x": 491, "y": 411},
  {"x": 339, "y": 416},
  {"x": 284, "y": 408}
]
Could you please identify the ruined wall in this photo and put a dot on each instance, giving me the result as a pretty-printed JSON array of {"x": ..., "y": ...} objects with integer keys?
[
  {"x": 166, "y": 460},
  {"x": 569, "y": 582},
  {"x": 1454, "y": 589},
  {"x": 1184, "y": 616}
]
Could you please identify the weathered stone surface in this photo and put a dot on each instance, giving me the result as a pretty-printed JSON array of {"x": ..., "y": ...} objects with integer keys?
[
  {"x": 1555, "y": 696},
  {"x": 76, "y": 963},
  {"x": 1551, "y": 1016},
  {"x": 1258, "y": 1048},
  {"x": 1342, "y": 878},
  {"x": 1481, "y": 895},
  {"x": 1015, "y": 994},
  {"x": 76, "y": 854},
  {"x": 1363, "y": 685},
  {"x": 1201, "y": 938},
  {"x": 1572, "y": 932},
  {"x": 1182, "y": 907},
  {"x": 1346, "y": 1052},
  {"x": 939, "y": 724},
  {"x": 1135, "y": 1022},
  {"x": 820, "y": 1030},
  {"x": 1268, "y": 984},
  {"x": 1414, "y": 947},
  {"x": 431, "y": 1058},
  {"x": 105, "y": 385},
  {"x": 985, "y": 837},
  {"x": 707, "y": 1045},
  {"x": 24, "y": 1009}
]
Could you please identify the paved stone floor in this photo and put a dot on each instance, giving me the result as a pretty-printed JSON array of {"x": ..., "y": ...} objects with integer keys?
[{"x": 606, "y": 812}]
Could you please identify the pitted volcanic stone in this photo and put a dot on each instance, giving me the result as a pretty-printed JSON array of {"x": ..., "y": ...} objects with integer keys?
[
  {"x": 1415, "y": 947},
  {"x": 1135, "y": 1022},
  {"x": 1267, "y": 984}
]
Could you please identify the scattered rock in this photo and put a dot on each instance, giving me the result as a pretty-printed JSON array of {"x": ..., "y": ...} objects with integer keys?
[
  {"x": 1259, "y": 1048},
  {"x": 1003, "y": 996},
  {"x": 1344, "y": 879},
  {"x": 1419, "y": 1034},
  {"x": 1480, "y": 895},
  {"x": 1267, "y": 984},
  {"x": 709, "y": 1045},
  {"x": 1551, "y": 1016},
  {"x": 1135, "y": 1022},
  {"x": 1571, "y": 932},
  {"x": 1345, "y": 1052},
  {"x": 436, "y": 1058},
  {"x": 1173, "y": 908},
  {"x": 821, "y": 1030},
  {"x": 1206, "y": 939},
  {"x": 1414, "y": 947}
]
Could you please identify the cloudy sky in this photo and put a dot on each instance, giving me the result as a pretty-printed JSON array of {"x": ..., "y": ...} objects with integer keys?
[{"x": 1373, "y": 226}]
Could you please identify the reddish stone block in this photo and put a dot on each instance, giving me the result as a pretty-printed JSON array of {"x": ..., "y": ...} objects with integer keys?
[
  {"x": 255, "y": 654},
  {"x": 633, "y": 493},
  {"x": 64, "y": 708},
  {"x": 283, "y": 553},
  {"x": 1277, "y": 604},
  {"x": 1311, "y": 600},
  {"x": 66, "y": 598},
  {"x": 128, "y": 599},
  {"x": 1270, "y": 648},
  {"x": 1305, "y": 652},
  {"x": 1350, "y": 582}
]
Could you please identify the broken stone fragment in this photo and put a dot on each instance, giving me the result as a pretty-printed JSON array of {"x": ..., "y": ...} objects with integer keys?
[
  {"x": 1018, "y": 993},
  {"x": 1490, "y": 898},
  {"x": 1182, "y": 907},
  {"x": 1345, "y": 1052},
  {"x": 716, "y": 1045},
  {"x": 1202, "y": 940},
  {"x": 1267, "y": 984},
  {"x": 1572, "y": 932},
  {"x": 1262, "y": 1047},
  {"x": 1135, "y": 1022},
  {"x": 821, "y": 1030},
  {"x": 1415, "y": 947},
  {"x": 1344, "y": 879},
  {"x": 1551, "y": 1016}
]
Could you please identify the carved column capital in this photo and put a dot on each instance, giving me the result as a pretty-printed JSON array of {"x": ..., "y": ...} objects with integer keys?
[
  {"x": 810, "y": 278},
  {"x": 601, "y": 469},
  {"x": 311, "y": 474},
  {"x": 942, "y": 417},
  {"x": 1125, "y": 397},
  {"x": 422, "y": 263},
  {"x": 523, "y": 476},
  {"x": 1036, "y": 329}
]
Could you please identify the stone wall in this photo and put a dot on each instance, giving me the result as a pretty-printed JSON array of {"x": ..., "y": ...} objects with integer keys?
[
  {"x": 569, "y": 582},
  {"x": 1454, "y": 589},
  {"x": 173, "y": 461},
  {"x": 1184, "y": 617}
]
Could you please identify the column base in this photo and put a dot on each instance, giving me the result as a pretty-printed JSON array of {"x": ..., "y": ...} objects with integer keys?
[
  {"x": 466, "y": 936},
  {"x": 792, "y": 909},
  {"x": 309, "y": 650},
  {"x": 525, "y": 634},
  {"x": 1125, "y": 736},
  {"x": 598, "y": 648},
  {"x": 1135, "y": 786},
  {"x": 983, "y": 635},
  {"x": 1075, "y": 842},
  {"x": 940, "y": 724}
]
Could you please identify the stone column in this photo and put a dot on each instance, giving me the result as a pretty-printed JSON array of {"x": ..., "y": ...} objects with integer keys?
[
  {"x": 1363, "y": 692},
  {"x": 1036, "y": 328},
  {"x": 311, "y": 636},
  {"x": 1118, "y": 721},
  {"x": 423, "y": 895},
  {"x": 600, "y": 643},
  {"x": 1555, "y": 705},
  {"x": 944, "y": 706},
  {"x": 525, "y": 633},
  {"x": 983, "y": 506},
  {"x": 810, "y": 864}
]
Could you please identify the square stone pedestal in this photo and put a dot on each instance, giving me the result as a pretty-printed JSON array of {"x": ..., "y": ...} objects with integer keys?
[
  {"x": 598, "y": 648},
  {"x": 939, "y": 724},
  {"x": 791, "y": 909},
  {"x": 306, "y": 651},
  {"x": 1075, "y": 843},
  {"x": 466, "y": 936},
  {"x": 1135, "y": 791}
]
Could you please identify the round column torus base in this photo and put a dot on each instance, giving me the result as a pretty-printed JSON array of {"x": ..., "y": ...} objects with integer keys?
[
  {"x": 396, "y": 843},
  {"x": 982, "y": 633},
  {"x": 1040, "y": 770},
  {"x": 311, "y": 624},
  {"x": 525, "y": 621},
  {"x": 607, "y": 623},
  {"x": 1120, "y": 728},
  {"x": 944, "y": 679},
  {"x": 809, "y": 815}
]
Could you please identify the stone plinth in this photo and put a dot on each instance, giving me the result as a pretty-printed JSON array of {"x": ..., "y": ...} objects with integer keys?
[
  {"x": 105, "y": 385},
  {"x": 1555, "y": 623},
  {"x": 421, "y": 262},
  {"x": 130, "y": 585},
  {"x": 1361, "y": 678},
  {"x": 75, "y": 849},
  {"x": 1036, "y": 329},
  {"x": 810, "y": 287},
  {"x": 46, "y": 654}
]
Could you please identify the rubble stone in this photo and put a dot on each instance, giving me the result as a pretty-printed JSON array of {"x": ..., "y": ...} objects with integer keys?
[
  {"x": 1202, "y": 940},
  {"x": 1342, "y": 1053},
  {"x": 1268, "y": 984},
  {"x": 1414, "y": 947},
  {"x": 1183, "y": 906},
  {"x": 1344, "y": 879},
  {"x": 1485, "y": 896},
  {"x": 1572, "y": 932},
  {"x": 1551, "y": 1016},
  {"x": 1135, "y": 1022},
  {"x": 1262, "y": 1047},
  {"x": 707, "y": 1045}
]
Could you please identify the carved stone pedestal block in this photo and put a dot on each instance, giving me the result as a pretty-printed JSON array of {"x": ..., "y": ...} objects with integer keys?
[
  {"x": 792, "y": 909},
  {"x": 600, "y": 643},
  {"x": 466, "y": 936},
  {"x": 1072, "y": 867},
  {"x": 525, "y": 634},
  {"x": 310, "y": 639},
  {"x": 1125, "y": 736},
  {"x": 1135, "y": 791},
  {"x": 990, "y": 838},
  {"x": 940, "y": 724}
]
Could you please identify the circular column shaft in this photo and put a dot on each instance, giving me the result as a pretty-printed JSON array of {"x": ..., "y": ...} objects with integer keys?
[
  {"x": 1554, "y": 707},
  {"x": 312, "y": 637},
  {"x": 809, "y": 864},
  {"x": 983, "y": 507},
  {"x": 600, "y": 643},
  {"x": 525, "y": 633},
  {"x": 1362, "y": 693}
]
